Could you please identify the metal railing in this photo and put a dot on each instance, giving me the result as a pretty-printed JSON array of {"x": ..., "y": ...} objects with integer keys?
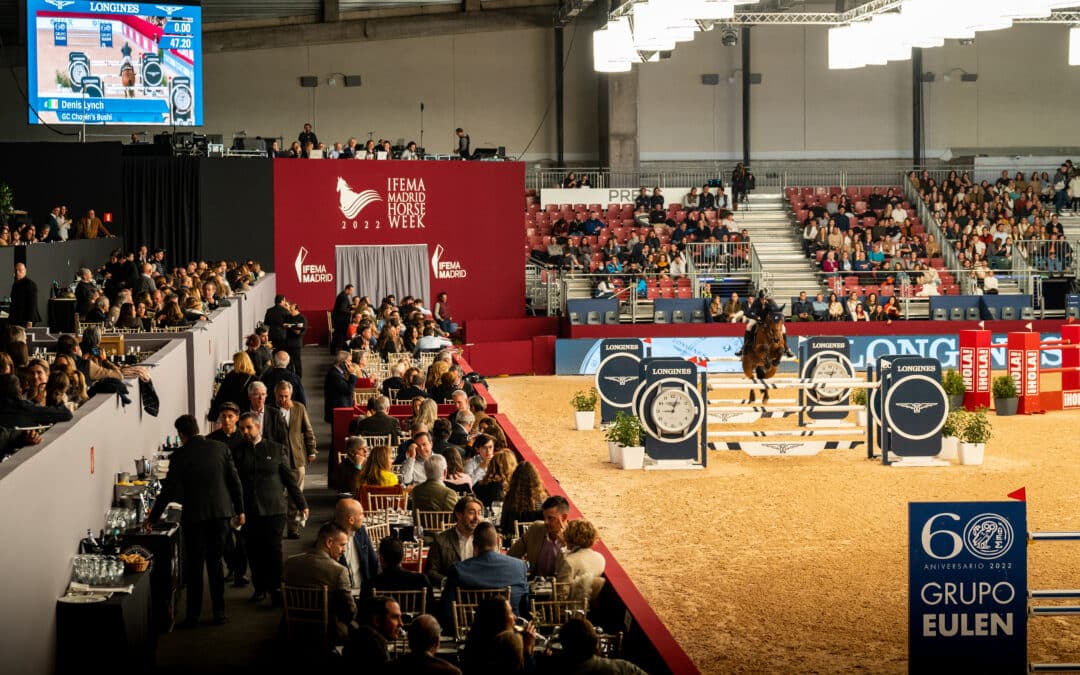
[{"x": 720, "y": 257}]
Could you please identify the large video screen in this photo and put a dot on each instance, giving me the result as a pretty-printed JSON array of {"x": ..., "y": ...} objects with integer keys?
[{"x": 97, "y": 62}]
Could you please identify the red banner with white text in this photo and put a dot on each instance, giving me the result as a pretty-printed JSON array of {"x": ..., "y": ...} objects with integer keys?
[{"x": 467, "y": 213}]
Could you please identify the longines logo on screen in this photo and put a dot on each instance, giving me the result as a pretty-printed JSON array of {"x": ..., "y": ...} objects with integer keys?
[
  {"x": 406, "y": 205},
  {"x": 311, "y": 274},
  {"x": 446, "y": 269}
]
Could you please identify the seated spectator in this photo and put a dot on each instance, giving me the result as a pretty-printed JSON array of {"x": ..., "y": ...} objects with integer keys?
[
  {"x": 580, "y": 654},
  {"x": 821, "y": 307},
  {"x": 492, "y": 487},
  {"x": 461, "y": 430},
  {"x": 77, "y": 383},
  {"x": 377, "y": 469},
  {"x": 424, "y": 638},
  {"x": 492, "y": 646},
  {"x": 543, "y": 542},
  {"x": 380, "y": 621},
  {"x": 416, "y": 453},
  {"x": 433, "y": 494},
  {"x": 456, "y": 478},
  {"x": 456, "y": 543},
  {"x": 523, "y": 500},
  {"x": 579, "y": 565},
  {"x": 801, "y": 309},
  {"x": 393, "y": 576},
  {"x": 347, "y": 472},
  {"x": 477, "y": 466},
  {"x": 734, "y": 310},
  {"x": 99, "y": 313},
  {"x": 378, "y": 422},
  {"x": 836, "y": 308},
  {"x": 320, "y": 567},
  {"x": 488, "y": 568},
  {"x": 15, "y": 411}
]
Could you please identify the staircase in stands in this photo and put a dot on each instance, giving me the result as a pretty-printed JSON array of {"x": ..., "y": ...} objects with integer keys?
[{"x": 785, "y": 268}]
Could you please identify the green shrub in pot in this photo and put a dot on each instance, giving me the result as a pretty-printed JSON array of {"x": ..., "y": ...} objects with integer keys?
[{"x": 1004, "y": 390}]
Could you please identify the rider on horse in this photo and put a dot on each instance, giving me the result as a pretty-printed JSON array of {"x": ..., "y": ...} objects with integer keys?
[{"x": 760, "y": 308}]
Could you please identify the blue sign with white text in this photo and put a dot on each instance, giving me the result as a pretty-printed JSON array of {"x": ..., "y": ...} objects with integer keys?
[
  {"x": 967, "y": 587},
  {"x": 60, "y": 33},
  {"x": 106, "y": 35}
]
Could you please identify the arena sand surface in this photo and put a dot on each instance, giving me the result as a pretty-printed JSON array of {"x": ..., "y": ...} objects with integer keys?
[{"x": 798, "y": 564}]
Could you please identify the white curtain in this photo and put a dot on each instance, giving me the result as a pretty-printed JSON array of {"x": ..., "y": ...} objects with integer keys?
[{"x": 379, "y": 271}]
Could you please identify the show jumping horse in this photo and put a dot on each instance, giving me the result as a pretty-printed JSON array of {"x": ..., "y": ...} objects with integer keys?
[
  {"x": 761, "y": 359},
  {"x": 127, "y": 79}
]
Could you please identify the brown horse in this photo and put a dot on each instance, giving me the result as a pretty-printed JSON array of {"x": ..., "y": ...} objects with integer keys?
[
  {"x": 762, "y": 357},
  {"x": 127, "y": 79}
]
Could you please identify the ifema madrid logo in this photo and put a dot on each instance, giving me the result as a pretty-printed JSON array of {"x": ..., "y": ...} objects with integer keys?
[
  {"x": 446, "y": 269},
  {"x": 310, "y": 274}
]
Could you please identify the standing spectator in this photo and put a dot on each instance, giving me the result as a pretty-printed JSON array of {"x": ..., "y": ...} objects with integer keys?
[
  {"x": 233, "y": 388},
  {"x": 24, "y": 298},
  {"x": 235, "y": 555},
  {"x": 265, "y": 476},
  {"x": 307, "y": 136},
  {"x": 295, "y": 327},
  {"x": 271, "y": 421},
  {"x": 339, "y": 385},
  {"x": 86, "y": 291},
  {"x": 739, "y": 179},
  {"x": 300, "y": 442},
  {"x": 203, "y": 478},
  {"x": 339, "y": 317},
  {"x": 91, "y": 227},
  {"x": 281, "y": 373},
  {"x": 275, "y": 319}
]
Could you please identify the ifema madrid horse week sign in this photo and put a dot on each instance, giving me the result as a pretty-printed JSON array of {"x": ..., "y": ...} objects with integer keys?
[{"x": 967, "y": 587}]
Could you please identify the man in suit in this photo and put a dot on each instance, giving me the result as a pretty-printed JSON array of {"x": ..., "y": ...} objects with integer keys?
[
  {"x": 380, "y": 622},
  {"x": 86, "y": 291},
  {"x": 319, "y": 567},
  {"x": 455, "y": 544},
  {"x": 432, "y": 494},
  {"x": 204, "y": 479},
  {"x": 543, "y": 542},
  {"x": 24, "y": 298},
  {"x": 235, "y": 555},
  {"x": 299, "y": 441},
  {"x": 265, "y": 475},
  {"x": 488, "y": 569},
  {"x": 359, "y": 557},
  {"x": 339, "y": 385},
  {"x": 271, "y": 421},
  {"x": 378, "y": 423},
  {"x": 424, "y": 634},
  {"x": 463, "y": 424},
  {"x": 393, "y": 577},
  {"x": 415, "y": 388},
  {"x": 281, "y": 373},
  {"x": 295, "y": 327},
  {"x": 416, "y": 453},
  {"x": 275, "y": 319},
  {"x": 339, "y": 317}
]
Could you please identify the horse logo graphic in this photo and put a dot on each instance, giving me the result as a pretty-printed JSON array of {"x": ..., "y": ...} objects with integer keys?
[
  {"x": 60, "y": 4},
  {"x": 781, "y": 448},
  {"x": 621, "y": 380},
  {"x": 351, "y": 203},
  {"x": 917, "y": 408}
]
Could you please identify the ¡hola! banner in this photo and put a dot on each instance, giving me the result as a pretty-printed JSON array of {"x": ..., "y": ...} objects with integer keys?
[{"x": 467, "y": 213}]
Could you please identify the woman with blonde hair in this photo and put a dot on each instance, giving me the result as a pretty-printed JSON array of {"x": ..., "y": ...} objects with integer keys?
[
  {"x": 435, "y": 373},
  {"x": 426, "y": 415},
  {"x": 376, "y": 470},
  {"x": 234, "y": 387},
  {"x": 492, "y": 487},
  {"x": 579, "y": 565}
]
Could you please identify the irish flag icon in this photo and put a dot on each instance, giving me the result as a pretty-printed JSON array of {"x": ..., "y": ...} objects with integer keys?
[{"x": 51, "y": 104}]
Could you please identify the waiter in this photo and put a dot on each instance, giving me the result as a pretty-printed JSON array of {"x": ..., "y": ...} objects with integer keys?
[
  {"x": 204, "y": 480},
  {"x": 266, "y": 474},
  {"x": 24, "y": 309},
  {"x": 339, "y": 317}
]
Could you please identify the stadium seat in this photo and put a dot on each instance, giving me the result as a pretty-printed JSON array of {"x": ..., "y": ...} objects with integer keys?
[
  {"x": 956, "y": 314},
  {"x": 684, "y": 293},
  {"x": 593, "y": 318},
  {"x": 660, "y": 316},
  {"x": 1008, "y": 313},
  {"x": 575, "y": 319},
  {"x": 1027, "y": 313},
  {"x": 611, "y": 317},
  {"x": 678, "y": 316},
  {"x": 940, "y": 315},
  {"x": 993, "y": 312},
  {"x": 972, "y": 314},
  {"x": 1072, "y": 312},
  {"x": 698, "y": 316}
]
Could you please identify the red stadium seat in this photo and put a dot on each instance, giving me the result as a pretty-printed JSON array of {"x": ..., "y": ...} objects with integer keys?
[
  {"x": 652, "y": 293},
  {"x": 684, "y": 293},
  {"x": 667, "y": 292}
]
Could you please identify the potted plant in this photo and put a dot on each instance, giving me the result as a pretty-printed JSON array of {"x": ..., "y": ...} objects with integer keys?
[
  {"x": 858, "y": 397},
  {"x": 584, "y": 402},
  {"x": 611, "y": 434},
  {"x": 953, "y": 384},
  {"x": 976, "y": 432},
  {"x": 950, "y": 434},
  {"x": 1004, "y": 390},
  {"x": 628, "y": 434}
]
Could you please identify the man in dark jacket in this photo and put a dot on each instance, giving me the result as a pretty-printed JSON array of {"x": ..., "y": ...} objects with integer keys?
[
  {"x": 203, "y": 478},
  {"x": 339, "y": 385},
  {"x": 424, "y": 636},
  {"x": 281, "y": 373},
  {"x": 270, "y": 419},
  {"x": 24, "y": 297},
  {"x": 339, "y": 317},
  {"x": 378, "y": 423},
  {"x": 275, "y": 319},
  {"x": 295, "y": 327},
  {"x": 265, "y": 475},
  {"x": 229, "y": 434}
]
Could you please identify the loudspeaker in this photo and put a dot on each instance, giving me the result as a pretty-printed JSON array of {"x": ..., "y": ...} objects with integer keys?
[
  {"x": 710, "y": 78},
  {"x": 352, "y": 80},
  {"x": 309, "y": 81}
]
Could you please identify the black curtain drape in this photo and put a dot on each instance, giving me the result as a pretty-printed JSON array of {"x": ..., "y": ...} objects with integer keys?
[{"x": 161, "y": 205}]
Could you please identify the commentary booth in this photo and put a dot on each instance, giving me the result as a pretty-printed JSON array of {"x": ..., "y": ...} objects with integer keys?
[{"x": 51, "y": 493}]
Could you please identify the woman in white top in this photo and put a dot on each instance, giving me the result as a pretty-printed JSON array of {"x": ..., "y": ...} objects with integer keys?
[{"x": 579, "y": 565}]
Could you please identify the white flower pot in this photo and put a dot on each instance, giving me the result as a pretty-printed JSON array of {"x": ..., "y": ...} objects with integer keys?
[
  {"x": 585, "y": 420},
  {"x": 633, "y": 457},
  {"x": 972, "y": 453},
  {"x": 613, "y": 452},
  {"x": 860, "y": 417},
  {"x": 950, "y": 446}
]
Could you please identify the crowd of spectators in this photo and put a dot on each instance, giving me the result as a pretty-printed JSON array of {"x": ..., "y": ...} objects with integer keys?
[
  {"x": 990, "y": 223},
  {"x": 307, "y": 146},
  {"x": 391, "y": 327},
  {"x": 60, "y": 227}
]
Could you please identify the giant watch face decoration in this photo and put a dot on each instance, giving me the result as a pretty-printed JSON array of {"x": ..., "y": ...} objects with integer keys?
[
  {"x": 674, "y": 411},
  {"x": 181, "y": 98}
]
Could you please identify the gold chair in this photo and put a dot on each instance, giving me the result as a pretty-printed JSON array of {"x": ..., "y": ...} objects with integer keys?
[
  {"x": 521, "y": 527},
  {"x": 373, "y": 441},
  {"x": 473, "y": 596},
  {"x": 411, "y": 602},
  {"x": 330, "y": 326},
  {"x": 377, "y": 532},
  {"x": 611, "y": 645},
  {"x": 307, "y": 616},
  {"x": 463, "y": 615},
  {"x": 547, "y": 614},
  {"x": 435, "y": 521},
  {"x": 380, "y": 498}
]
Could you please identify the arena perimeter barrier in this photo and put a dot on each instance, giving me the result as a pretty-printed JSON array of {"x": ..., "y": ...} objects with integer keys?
[{"x": 1053, "y": 594}]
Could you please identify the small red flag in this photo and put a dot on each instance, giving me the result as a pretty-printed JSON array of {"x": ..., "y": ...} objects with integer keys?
[{"x": 1019, "y": 495}]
